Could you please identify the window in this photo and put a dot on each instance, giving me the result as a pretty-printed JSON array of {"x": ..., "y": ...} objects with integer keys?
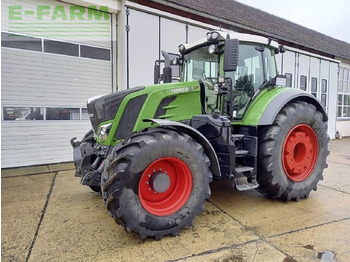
[
  {"x": 200, "y": 65},
  {"x": 62, "y": 113},
  {"x": 289, "y": 78},
  {"x": 84, "y": 114},
  {"x": 344, "y": 93},
  {"x": 44, "y": 113},
  {"x": 314, "y": 86},
  {"x": 94, "y": 52},
  {"x": 53, "y": 47},
  {"x": 23, "y": 113},
  {"x": 303, "y": 81},
  {"x": 20, "y": 42},
  {"x": 57, "y": 47},
  {"x": 324, "y": 90}
]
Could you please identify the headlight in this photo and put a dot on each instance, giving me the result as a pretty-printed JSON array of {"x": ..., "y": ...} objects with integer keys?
[
  {"x": 182, "y": 48},
  {"x": 209, "y": 36},
  {"x": 214, "y": 35},
  {"x": 212, "y": 49},
  {"x": 103, "y": 132}
]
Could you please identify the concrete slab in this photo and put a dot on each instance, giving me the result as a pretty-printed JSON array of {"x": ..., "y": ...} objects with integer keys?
[
  {"x": 77, "y": 221},
  {"x": 308, "y": 245},
  {"x": 340, "y": 151},
  {"x": 22, "y": 201},
  {"x": 24, "y": 188},
  {"x": 256, "y": 251},
  {"x": 337, "y": 177},
  {"x": 61, "y": 167},
  {"x": 24, "y": 171},
  {"x": 268, "y": 217},
  {"x": 236, "y": 226}
]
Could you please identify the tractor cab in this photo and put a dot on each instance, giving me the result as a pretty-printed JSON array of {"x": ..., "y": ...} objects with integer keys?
[{"x": 231, "y": 78}]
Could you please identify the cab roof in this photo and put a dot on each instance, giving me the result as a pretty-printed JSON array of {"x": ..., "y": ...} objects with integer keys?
[{"x": 233, "y": 35}]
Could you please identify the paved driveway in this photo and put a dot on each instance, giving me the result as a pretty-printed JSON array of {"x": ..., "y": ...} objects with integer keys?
[{"x": 48, "y": 216}]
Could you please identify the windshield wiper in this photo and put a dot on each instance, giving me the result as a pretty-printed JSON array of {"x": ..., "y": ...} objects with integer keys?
[{"x": 267, "y": 83}]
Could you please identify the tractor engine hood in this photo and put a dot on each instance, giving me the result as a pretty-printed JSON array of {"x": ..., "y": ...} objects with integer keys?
[{"x": 104, "y": 108}]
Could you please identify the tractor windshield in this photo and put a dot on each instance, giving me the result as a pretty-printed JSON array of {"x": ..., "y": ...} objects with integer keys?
[{"x": 200, "y": 65}]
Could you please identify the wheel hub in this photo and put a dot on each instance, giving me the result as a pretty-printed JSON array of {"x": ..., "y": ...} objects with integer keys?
[
  {"x": 160, "y": 182},
  {"x": 165, "y": 186},
  {"x": 300, "y": 151}
]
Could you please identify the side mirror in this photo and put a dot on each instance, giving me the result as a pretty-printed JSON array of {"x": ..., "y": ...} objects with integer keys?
[
  {"x": 167, "y": 72},
  {"x": 231, "y": 55},
  {"x": 156, "y": 72}
]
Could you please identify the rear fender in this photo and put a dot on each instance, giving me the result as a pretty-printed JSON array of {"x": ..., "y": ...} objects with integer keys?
[
  {"x": 197, "y": 136},
  {"x": 279, "y": 101}
]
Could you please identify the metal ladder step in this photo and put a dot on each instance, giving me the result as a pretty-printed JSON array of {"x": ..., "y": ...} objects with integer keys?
[
  {"x": 243, "y": 169},
  {"x": 236, "y": 137},
  {"x": 242, "y": 184},
  {"x": 241, "y": 153}
]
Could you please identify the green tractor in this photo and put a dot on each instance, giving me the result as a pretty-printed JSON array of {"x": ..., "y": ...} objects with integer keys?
[{"x": 154, "y": 150}]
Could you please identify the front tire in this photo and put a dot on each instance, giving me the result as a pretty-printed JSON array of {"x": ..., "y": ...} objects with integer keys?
[
  {"x": 292, "y": 152},
  {"x": 156, "y": 182}
]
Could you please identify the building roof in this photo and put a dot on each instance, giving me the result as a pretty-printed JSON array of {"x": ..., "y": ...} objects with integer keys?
[{"x": 239, "y": 17}]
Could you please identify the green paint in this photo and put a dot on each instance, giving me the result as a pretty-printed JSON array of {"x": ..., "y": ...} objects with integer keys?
[
  {"x": 59, "y": 12},
  {"x": 92, "y": 13},
  {"x": 76, "y": 12},
  {"x": 15, "y": 12},
  {"x": 257, "y": 108},
  {"x": 95, "y": 14},
  {"x": 29, "y": 12},
  {"x": 183, "y": 107},
  {"x": 42, "y": 10}
]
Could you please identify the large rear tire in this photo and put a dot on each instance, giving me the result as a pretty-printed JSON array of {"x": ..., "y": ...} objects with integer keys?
[
  {"x": 156, "y": 182},
  {"x": 292, "y": 152}
]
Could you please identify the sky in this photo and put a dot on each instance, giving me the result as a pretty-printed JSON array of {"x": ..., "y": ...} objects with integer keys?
[{"x": 330, "y": 17}]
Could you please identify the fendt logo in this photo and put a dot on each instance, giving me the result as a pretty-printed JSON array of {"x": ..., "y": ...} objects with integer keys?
[{"x": 59, "y": 20}]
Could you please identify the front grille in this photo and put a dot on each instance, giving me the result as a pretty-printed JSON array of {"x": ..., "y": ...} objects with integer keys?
[
  {"x": 105, "y": 107},
  {"x": 128, "y": 120}
]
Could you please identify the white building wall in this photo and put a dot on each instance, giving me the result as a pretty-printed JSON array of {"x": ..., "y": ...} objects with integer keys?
[
  {"x": 46, "y": 80},
  {"x": 343, "y": 125},
  {"x": 304, "y": 64}
]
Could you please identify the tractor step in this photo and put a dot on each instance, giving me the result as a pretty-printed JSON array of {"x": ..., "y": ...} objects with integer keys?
[
  {"x": 242, "y": 184},
  {"x": 236, "y": 137},
  {"x": 243, "y": 169},
  {"x": 241, "y": 153}
]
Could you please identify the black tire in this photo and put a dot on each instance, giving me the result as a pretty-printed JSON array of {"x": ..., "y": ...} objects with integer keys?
[
  {"x": 96, "y": 189},
  {"x": 275, "y": 178},
  {"x": 125, "y": 168}
]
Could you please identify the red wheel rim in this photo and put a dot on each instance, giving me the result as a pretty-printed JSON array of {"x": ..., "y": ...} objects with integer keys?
[
  {"x": 300, "y": 151},
  {"x": 177, "y": 186}
]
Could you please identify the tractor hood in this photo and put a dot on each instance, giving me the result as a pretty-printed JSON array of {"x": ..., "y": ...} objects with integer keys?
[{"x": 104, "y": 108}]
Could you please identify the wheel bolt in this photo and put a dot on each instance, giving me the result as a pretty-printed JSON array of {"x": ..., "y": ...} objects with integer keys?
[
  {"x": 149, "y": 188},
  {"x": 147, "y": 182},
  {"x": 160, "y": 169}
]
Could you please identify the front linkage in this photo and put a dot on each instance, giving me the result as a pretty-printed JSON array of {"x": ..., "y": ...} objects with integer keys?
[{"x": 89, "y": 160}]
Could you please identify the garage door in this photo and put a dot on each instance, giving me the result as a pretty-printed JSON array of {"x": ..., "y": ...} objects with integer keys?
[{"x": 54, "y": 57}]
